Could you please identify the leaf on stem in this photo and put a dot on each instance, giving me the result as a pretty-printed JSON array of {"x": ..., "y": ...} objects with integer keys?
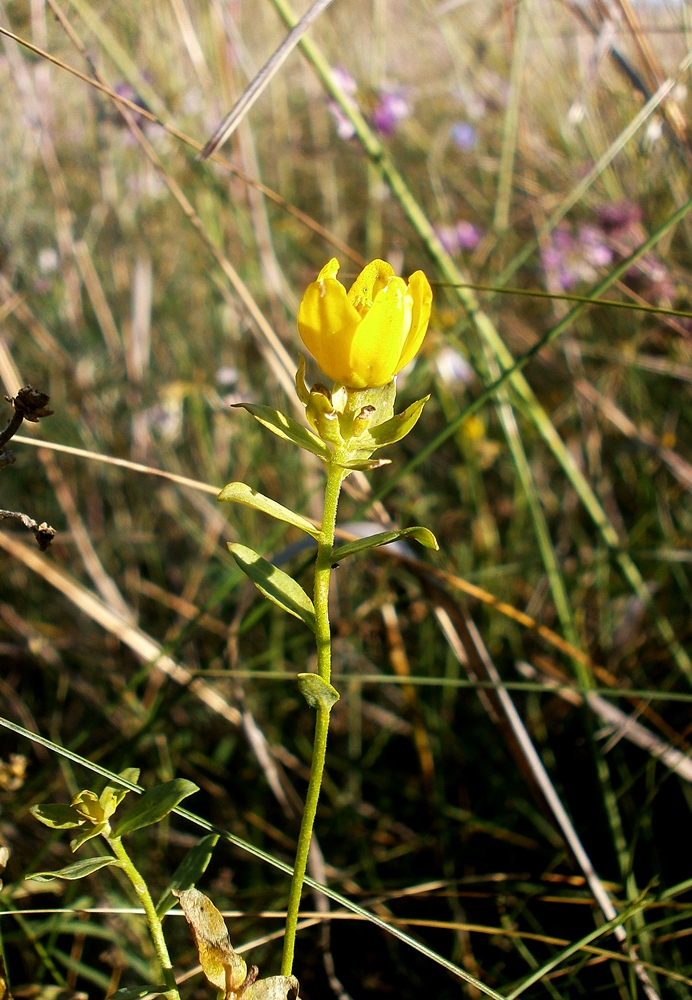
[
  {"x": 422, "y": 535},
  {"x": 80, "y": 869},
  {"x": 154, "y": 805},
  {"x": 365, "y": 464},
  {"x": 276, "y": 585},
  {"x": 222, "y": 966},
  {"x": 56, "y": 816},
  {"x": 193, "y": 865},
  {"x": 284, "y": 427},
  {"x": 240, "y": 493},
  {"x": 317, "y": 692}
]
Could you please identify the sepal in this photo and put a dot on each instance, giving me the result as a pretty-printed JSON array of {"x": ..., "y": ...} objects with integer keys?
[
  {"x": 284, "y": 427},
  {"x": 397, "y": 427}
]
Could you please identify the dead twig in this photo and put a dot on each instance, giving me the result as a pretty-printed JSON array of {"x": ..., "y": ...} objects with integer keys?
[
  {"x": 43, "y": 533},
  {"x": 29, "y": 404}
]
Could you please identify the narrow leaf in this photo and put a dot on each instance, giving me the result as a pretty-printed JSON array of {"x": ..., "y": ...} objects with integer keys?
[
  {"x": 240, "y": 493},
  {"x": 56, "y": 816},
  {"x": 80, "y": 869},
  {"x": 399, "y": 426},
  {"x": 154, "y": 805},
  {"x": 365, "y": 464},
  {"x": 422, "y": 535},
  {"x": 284, "y": 427},
  {"x": 193, "y": 865},
  {"x": 278, "y": 586},
  {"x": 137, "y": 992}
]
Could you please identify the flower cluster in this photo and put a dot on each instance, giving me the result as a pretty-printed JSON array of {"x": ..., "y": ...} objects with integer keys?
[{"x": 574, "y": 254}]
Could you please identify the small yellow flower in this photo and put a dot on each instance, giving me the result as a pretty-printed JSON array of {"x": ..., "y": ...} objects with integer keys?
[{"x": 362, "y": 338}]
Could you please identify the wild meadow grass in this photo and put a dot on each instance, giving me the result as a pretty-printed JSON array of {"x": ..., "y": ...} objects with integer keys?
[{"x": 529, "y": 157}]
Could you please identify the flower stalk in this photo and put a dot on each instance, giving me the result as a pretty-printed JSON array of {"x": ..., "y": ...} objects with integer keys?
[
  {"x": 155, "y": 926},
  {"x": 323, "y": 570}
]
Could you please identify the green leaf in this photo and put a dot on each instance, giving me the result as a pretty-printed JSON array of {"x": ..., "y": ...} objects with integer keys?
[
  {"x": 80, "y": 869},
  {"x": 397, "y": 427},
  {"x": 281, "y": 425},
  {"x": 278, "y": 586},
  {"x": 137, "y": 992},
  {"x": 154, "y": 805},
  {"x": 88, "y": 832},
  {"x": 240, "y": 493},
  {"x": 193, "y": 865},
  {"x": 422, "y": 535},
  {"x": 317, "y": 692},
  {"x": 57, "y": 816},
  {"x": 113, "y": 794},
  {"x": 365, "y": 464}
]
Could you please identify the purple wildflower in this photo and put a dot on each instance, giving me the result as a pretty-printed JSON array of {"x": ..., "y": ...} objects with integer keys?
[
  {"x": 464, "y": 136},
  {"x": 619, "y": 217},
  {"x": 596, "y": 250},
  {"x": 462, "y": 236},
  {"x": 391, "y": 109},
  {"x": 343, "y": 79}
]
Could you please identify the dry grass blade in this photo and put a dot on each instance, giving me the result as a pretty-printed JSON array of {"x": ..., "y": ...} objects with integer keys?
[
  {"x": 462, "y": 634},
  {"x": 142, "y": 645},
  {"x": 681, "y": 469},
  {"x": 230, "y": 123}
]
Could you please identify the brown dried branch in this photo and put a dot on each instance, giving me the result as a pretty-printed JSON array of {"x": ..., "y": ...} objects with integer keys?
[
  {"x": 29, "y": 404},
  {"x": 43, "y": 533}
]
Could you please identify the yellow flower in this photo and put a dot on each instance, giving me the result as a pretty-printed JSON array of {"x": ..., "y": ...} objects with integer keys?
[{"x": 364, "y": 337}]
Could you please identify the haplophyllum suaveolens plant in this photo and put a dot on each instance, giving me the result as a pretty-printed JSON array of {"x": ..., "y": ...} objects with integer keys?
[
  {"x": 361, "y": 339},
  {"x": 92, "y": 815}
]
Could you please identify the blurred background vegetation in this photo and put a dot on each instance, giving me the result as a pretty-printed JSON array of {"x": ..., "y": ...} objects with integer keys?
[{"x": 520, "y": 146}]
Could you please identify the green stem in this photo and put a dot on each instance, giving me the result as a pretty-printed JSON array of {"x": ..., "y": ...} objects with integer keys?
[
  {"x": 323, "y": 569},
  {"x": 153, "y": 920}
]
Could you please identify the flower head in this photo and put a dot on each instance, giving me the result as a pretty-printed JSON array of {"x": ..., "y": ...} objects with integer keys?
[
  {"x": 362, "y": 338},
  {"x": 391, "y": 109},
  {"x": 464, "y": 136}
]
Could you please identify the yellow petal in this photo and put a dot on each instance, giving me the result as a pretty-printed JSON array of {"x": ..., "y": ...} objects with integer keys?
[
  {"x": 377, "y": 343},
  {"x": 330, "y": 270},
  {"x": 327, "y": 322},
  {"x": 371, "y": 280},
  {"x": 420, "y": 291}
]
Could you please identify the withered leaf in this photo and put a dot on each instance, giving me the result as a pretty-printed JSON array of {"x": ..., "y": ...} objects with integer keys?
[{"x": 222, "y": 966}]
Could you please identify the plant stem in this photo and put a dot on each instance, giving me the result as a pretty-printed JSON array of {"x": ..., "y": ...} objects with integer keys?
[
  {"x": 153, "y": 920},
  {"x": 323, "y": 569}
]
